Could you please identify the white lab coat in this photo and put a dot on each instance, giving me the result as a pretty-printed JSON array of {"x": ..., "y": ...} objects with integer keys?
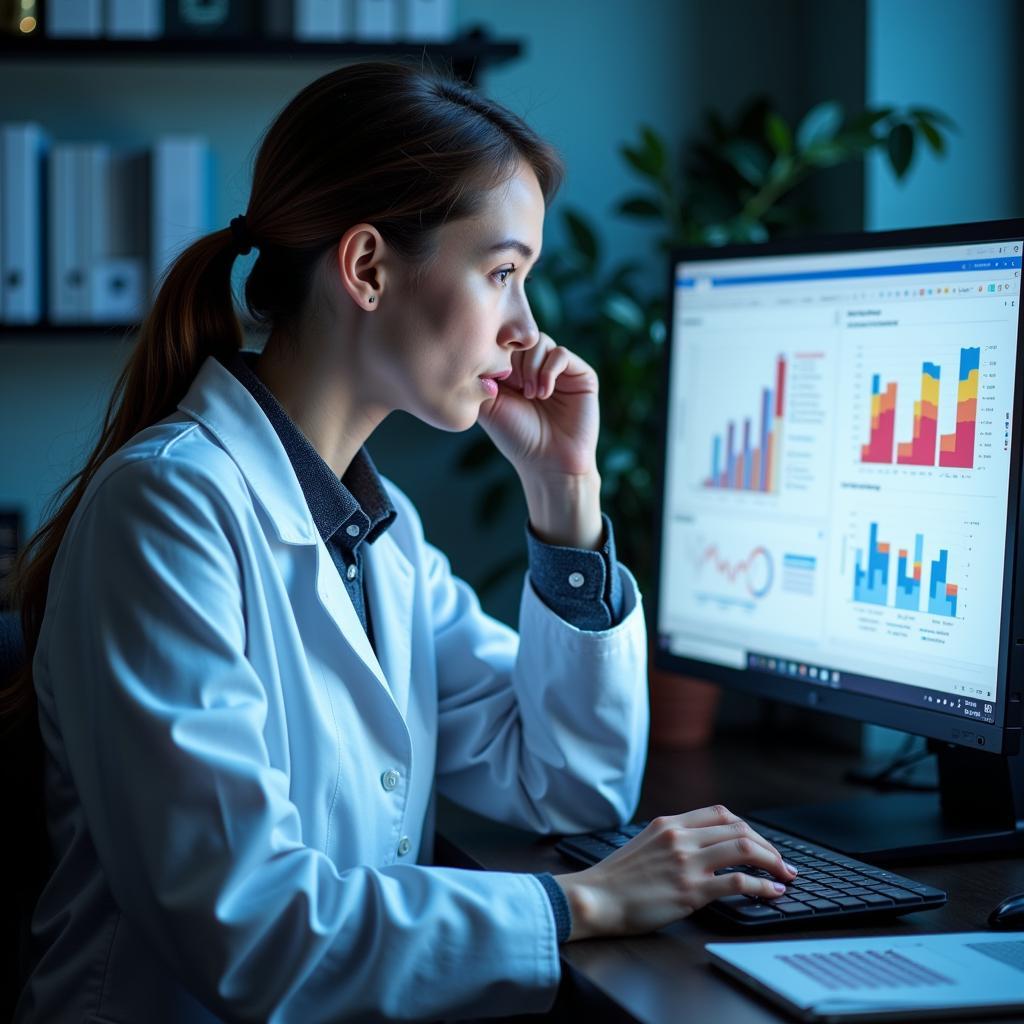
[{"x": 241, "y": 792}]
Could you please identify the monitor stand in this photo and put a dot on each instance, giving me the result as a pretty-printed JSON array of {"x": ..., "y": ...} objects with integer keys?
[{"x": 978, "y": 811}]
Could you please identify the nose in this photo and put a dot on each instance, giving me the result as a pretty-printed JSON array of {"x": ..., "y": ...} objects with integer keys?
[{"x": 520, "y": 331}]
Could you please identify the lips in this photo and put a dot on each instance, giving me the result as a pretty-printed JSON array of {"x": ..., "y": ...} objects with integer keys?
[{"x": 501, "y": 375}]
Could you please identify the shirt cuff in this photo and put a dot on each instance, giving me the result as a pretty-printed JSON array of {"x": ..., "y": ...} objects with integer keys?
[
  {"x": 559, "y": 904},
  {"x": 583, "y": 587}
]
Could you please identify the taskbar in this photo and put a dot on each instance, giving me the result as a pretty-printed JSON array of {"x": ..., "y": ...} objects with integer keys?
[{"x": 960, "y": 705}]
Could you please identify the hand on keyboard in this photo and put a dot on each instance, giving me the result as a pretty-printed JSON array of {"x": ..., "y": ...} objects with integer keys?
[{"x": 668, "y": 870}]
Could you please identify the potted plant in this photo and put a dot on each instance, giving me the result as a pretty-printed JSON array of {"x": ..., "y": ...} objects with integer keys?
[{"x": 737, "y": 182}]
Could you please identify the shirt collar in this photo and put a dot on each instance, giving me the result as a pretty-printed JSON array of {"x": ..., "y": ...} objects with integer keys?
[{"x": 351, "y": 508}]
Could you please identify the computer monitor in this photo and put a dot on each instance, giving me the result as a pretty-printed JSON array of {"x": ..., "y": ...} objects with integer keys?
[{"x": 839, "y": 506}]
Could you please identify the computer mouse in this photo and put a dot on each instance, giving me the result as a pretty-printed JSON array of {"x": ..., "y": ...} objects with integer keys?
[{"x": 1009, "y": 913}]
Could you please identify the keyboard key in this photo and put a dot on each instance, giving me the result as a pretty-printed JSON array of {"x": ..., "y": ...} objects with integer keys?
[
  {"x": 901, "y": 896},
  {"x": 822, "y": 905},
  {"x": 756, "y": 912},
  {"x": 791, "y": 907},
  {"x": 874, "y": 899}
]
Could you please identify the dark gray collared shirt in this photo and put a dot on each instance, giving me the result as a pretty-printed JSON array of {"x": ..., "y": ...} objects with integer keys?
[{"x": 582, "y": 587}]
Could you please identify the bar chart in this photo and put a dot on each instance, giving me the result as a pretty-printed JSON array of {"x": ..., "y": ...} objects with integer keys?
[
  {"x": 745, "y": 458},
  {"x": 872, "y": 569},
  {"x": 925, "y": 446}
]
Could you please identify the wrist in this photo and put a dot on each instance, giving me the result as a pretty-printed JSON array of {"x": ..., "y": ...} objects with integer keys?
[
  {"x": 565, "y": 509},
  {"x": 583, "y": 907}
]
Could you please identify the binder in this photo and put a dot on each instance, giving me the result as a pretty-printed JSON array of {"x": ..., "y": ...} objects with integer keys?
[
  {"x": 117, "y": 265},
  {"x": 181, "y": 199},
  {"x": 135, "y": 19},
  {"x": 376, "y": 20},
  {"x": 67, "y": 292},
  {"x": 74, "y": 19},
  {"x": 22, "y": 186},
  {"x": 320, "y": 20},
  {"x": 429, "y": 20}
]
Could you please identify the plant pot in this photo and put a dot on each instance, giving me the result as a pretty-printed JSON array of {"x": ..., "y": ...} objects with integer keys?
[{"x": 682, "y": 709}]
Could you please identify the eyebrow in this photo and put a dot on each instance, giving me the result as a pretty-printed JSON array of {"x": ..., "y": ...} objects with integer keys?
[{"x": 512, "y": 243}]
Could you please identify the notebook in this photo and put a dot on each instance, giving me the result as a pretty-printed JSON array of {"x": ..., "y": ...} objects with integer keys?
[{"x": 885, "y": 977}]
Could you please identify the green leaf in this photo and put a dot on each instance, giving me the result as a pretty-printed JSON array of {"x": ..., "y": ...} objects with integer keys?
[
  {"x": 623, "y": 310},
  {"x": 901, "y": 148},
  {"x": 642, "y": 161},
  {"x": 867, "y": 119},
  {"x": 932, "y": 136},
  {"x": 582, "y": 236},
  {"x": 826, "y": 154},
  {"x": 820, "y": 124},
  {"x": 656, "y": 150},
  {"x": 640, "y": 206},
  {"x": 779, "y": 134},
  {"x": 933, "y": 116},
  {"x": 749, "y": 160}
]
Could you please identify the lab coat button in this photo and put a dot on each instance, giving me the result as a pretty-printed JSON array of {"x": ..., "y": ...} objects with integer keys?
[
  {"x": 404, "y": 846},
  {"x": 351, "y": 573},
  {"x": 390, "y": 779},
  {"x": 576, "y": 579},
  {"x": 352, "y": 530}
]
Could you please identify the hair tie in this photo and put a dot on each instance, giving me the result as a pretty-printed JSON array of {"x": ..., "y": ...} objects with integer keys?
[{"x": 240, "y": 231}]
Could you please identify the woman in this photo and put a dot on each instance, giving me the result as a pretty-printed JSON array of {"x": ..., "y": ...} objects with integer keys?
[{"x": 254, "y": 674}]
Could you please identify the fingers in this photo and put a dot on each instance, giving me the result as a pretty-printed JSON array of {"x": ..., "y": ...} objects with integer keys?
[
  {"x": 743, "y": 851},
  {"x": 738, "y": 883},
  {"x": 556, "y": 362},
  {"x": 530, "y": 365}
]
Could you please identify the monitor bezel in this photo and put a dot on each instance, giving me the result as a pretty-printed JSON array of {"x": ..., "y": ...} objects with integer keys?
[{"x": 1004, "y": 735}]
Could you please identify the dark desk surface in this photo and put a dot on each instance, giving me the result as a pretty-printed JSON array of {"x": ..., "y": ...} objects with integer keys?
[{"x": 653, "y": 978}]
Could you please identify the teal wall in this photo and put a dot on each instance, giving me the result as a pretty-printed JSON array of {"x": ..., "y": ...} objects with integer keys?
[{"x": 963, "y": 58}]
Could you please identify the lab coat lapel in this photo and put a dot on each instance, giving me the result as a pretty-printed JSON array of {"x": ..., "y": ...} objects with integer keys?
[
  {"x": 390, "y": 589},
  {"x": 338, "y": 605}
]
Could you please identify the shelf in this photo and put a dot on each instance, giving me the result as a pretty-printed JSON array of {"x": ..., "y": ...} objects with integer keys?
[
  {"x": 466, "y": 53},
  {"x": 84, "y": 332}
]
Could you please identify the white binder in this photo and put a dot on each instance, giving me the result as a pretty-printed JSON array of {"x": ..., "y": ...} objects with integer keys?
[
  {"x": 74, "y": 19},
  {"x": 66, "y": 278},
  {"x": 376, "y": 20},
  {"x": 320, "y": 20},
  {"x": 429, "y": 20},
  {"x": 22, "y": 185},
  {"x": 182, "y": 199},
  {"x": 135, "y": 19}
]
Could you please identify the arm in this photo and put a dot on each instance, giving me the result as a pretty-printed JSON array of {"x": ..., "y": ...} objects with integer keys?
[{"x": 163, "y": 720}]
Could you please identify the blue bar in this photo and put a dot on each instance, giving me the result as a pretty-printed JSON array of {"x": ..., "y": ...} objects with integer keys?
[
  {"x": 945, "y": 267},
  {"x": 800, "y": 561},
  {"x": 762, "y": 470}
]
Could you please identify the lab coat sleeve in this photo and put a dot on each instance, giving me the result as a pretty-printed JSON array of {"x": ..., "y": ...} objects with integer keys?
[
  {"x": 545, "y": 730},
  {"x": 163, "y": 719}
]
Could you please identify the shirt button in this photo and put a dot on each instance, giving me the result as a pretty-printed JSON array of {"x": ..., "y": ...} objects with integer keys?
[
  {"x": 404, "y": 846},
  {"x": 352, "y": 530},
  {"x": 390, "y": 779},
  {"x": 576, "y": 579},
  {"x": 351, "y": 572}
]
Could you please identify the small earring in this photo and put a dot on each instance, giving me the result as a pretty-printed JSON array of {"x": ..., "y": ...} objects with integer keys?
[{"x": 373, "y": 298}]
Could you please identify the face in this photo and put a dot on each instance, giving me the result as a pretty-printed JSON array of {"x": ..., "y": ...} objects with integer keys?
[{"x": 469, "y": 313}]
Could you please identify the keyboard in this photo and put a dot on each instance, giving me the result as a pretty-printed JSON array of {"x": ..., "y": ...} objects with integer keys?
[{"x": 829, "y": 887}]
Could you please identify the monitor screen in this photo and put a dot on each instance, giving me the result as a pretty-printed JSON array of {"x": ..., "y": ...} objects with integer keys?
[{"x": 838, "y": 475}]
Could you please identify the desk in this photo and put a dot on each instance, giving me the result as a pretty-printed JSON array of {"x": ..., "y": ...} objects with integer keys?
[{"x": 666, "y": 976}]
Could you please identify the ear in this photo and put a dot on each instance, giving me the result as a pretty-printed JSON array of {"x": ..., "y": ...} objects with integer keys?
[{"x": 362, "y": 254}]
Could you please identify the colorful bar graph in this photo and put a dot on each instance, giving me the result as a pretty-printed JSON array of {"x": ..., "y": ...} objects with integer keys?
[
  {"x": 871, "y": 577},
  {"x": 883, "y": 422},
  {"x": 957, "y": 449},
  {"x": 908, "y": 585},
  {"x": 941, "y": 595},
  {"x": 921, "y": 450},
  {"x": 753, "y": 466},
  {"x": 871, "y": 584}
]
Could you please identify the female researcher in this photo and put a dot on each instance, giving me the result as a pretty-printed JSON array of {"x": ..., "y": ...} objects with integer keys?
[{"x": 254, "y": 674}]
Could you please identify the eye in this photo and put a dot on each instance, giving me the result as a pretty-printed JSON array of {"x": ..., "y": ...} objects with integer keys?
[{"x": 503, "y": 275}]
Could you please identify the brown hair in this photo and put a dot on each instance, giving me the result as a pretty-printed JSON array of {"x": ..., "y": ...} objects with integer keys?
[{"x": 403, "y": 148}]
